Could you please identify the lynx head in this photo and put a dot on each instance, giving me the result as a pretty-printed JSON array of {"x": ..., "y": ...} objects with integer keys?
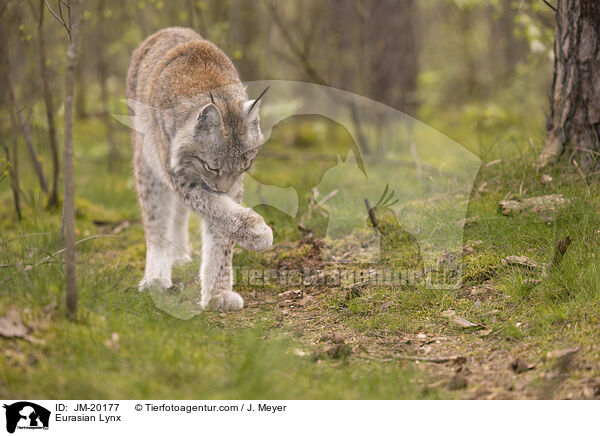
[{"x": 220, "y": 142}]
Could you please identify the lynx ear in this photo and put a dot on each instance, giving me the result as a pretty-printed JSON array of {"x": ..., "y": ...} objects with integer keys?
[
  {"x": 209, "y": 117},
  {"x": 253, "y": 105},
  {"x": 250, "y": 109}
]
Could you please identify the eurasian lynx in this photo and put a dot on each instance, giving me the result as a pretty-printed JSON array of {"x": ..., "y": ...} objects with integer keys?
[{"x": 195, "y": 133}]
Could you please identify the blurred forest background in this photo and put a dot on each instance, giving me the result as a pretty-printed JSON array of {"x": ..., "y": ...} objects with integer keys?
[{"x": 478, "y": 71}]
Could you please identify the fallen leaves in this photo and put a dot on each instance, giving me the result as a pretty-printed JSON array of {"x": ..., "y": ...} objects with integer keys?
[
  {"x": 451, "y": 315},
  {"x": 12, "y": 326}
]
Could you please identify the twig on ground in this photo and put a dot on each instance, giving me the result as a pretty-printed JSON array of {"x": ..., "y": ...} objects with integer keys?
[{"x": 441, "y": 359}]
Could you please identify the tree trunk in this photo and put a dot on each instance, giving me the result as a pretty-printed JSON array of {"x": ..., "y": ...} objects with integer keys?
[
  {"x": 390, "y": 27},
  {"x": 45, "y": 76},
  {"x": 574, "y": 122},
  {"x": 69, "y": 200},
  {"x": 37, "y": 166},
  {"x": 12, "y": 157},
  {"x": 114, "y": 156},
  {"x": 10, "y": 150}
]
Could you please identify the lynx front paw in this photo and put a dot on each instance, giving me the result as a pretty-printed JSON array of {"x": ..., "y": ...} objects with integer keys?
[
  {"x": 255, "y": 234},
  {"x": 232, "y": 301},
  {"x": 228, "y": 301}
]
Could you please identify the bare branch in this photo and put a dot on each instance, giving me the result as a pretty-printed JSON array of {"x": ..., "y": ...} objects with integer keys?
[
  {"x": 60, "y": 17},
  {"x": 53, "y": 13},
  {"x": 283, "y": 29},
  {"x": 12, "y": 117}
]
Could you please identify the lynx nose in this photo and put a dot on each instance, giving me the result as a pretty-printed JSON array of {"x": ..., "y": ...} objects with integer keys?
[{"x": 224, "y": 185}]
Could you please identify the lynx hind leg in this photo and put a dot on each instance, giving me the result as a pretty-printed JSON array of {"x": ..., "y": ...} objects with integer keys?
[
  {"x": 179, "y": 234},
  {"x": 157, "y": 202},
  {"x": 216, "y": 274}
]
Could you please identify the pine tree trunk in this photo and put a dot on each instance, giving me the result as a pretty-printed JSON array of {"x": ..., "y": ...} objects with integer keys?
[{"x": 574, "y": 122}]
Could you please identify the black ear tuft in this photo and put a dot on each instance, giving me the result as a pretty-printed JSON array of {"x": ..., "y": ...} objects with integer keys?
[{"x": 257, "y": 100}]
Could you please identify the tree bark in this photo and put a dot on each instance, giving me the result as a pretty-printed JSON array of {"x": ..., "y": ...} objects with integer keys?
[
  {"x": 69, "y": 194},
  {"x": 45, "y": 76},
  {"x": 574, "y": 121}
]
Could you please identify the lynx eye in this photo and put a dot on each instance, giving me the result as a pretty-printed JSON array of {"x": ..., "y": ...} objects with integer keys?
[
  {"x": 210, "y": 169},
  {"x": 207, "y": 166}
]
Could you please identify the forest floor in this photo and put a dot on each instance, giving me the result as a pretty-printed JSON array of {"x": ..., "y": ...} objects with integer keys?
[{"x": 531, "y": 333}]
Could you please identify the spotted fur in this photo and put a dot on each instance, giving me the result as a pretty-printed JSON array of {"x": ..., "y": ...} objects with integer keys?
[{"x": 193, "y": 137}]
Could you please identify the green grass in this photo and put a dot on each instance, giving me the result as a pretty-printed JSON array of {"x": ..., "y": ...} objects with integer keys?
[{"x": 271, "y": 351}]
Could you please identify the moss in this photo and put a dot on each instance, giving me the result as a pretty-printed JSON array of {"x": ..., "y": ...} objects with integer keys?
[{"x": 479, "y": 267}]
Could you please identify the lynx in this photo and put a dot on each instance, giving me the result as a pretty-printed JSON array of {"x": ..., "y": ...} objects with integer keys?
[{"x": 195, "y": 134}]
